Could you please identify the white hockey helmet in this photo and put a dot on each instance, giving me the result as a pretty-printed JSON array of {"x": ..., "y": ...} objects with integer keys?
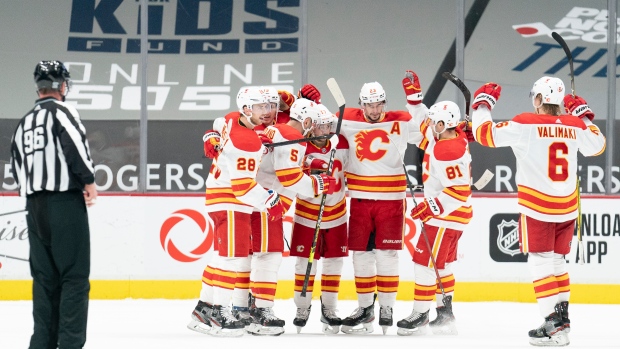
[
  {"x": 250, "y": 96},
  {"x": 372, "y": 92},
  {"x": 303, "y": 109},
  {"x": 272, "y": 94},
  {"x": 325, "y": 118},
  {"x": 445, "y": 111},
  {"x": 550, "y": 88}
]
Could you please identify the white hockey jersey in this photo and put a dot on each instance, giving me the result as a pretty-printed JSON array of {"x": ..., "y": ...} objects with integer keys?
[
  {"x": 335, "y": 210},
  {"x": 280, "y": 168},
  {"x": 545, "y": 147},
  {"x": 231, "y": 184},
  {"x": 375, "y": 165}
]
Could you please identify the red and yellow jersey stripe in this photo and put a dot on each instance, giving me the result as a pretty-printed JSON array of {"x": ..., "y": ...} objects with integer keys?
[
  {"x": 547, "y": 204},
  {"x": 377, "y": 184},
  {"x": 310, "y": 211}
]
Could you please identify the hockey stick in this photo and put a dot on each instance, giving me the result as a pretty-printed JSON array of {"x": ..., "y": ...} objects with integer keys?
[
  {"x": 487, "y": 175},
  {"x": 12, "y": 212},
  {"x": 335, "y": 90},
  {"x": 295, "y": 141},
  {"x": 447, "y": 300},
  {"x": 569, "y": 56},
  {"x": 580, "y": 251},
  {"x": 461, "y": 86},
  {"x": 16, "y": 258}
]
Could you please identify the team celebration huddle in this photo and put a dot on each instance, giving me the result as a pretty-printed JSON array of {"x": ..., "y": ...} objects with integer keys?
[{"x": 282, "y": 152}]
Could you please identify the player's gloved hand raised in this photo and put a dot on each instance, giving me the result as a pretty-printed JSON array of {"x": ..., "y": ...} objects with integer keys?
[
  {"x": 323, "y": 184},
  {"x": 411, "y": 85},
  {"x": 266, "y": 142},
  {"x": 275, "y": 208},
  {"x": 310, "y": 92},
  {"x": 577, "y": 106},
  {"x": 487, "y": 95},
  {"x": 427, "y": 209},
  {"x": 212, "y": 144},
  {"x": 312, "y": 164},
  {"x": 465, "y": 127},
  {"x": 286, "y": 99}
]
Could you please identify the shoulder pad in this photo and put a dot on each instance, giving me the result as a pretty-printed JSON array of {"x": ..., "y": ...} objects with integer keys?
[{"x": 450, "y": 149}]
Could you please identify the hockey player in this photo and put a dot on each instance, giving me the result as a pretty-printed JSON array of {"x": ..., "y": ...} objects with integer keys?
[
  {"x": 545, "y": 144},
  {"x": 444, "y": 213},
  {"x": 231, "y": 193},
  {"x": 377, "y": 187},
  {"x": 332, "y": 239},
  {"x": 280, "y": 170}
]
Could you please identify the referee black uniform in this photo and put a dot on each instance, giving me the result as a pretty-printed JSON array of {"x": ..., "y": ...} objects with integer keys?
[{"x": 51, "y": 163}]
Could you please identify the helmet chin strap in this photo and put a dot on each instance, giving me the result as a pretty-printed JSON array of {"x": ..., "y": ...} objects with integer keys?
[
  {"x": 435, "y": 130},
  {"x": 249, "y": 119}
]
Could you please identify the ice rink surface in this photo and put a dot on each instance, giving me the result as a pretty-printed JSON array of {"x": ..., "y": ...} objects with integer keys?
[{"x": 154, "y": 324}]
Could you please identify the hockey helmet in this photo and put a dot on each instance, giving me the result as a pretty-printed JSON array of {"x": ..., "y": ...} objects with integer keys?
[
  {"x": 303, "y": 109},
  {"x": 372, "y": 92},
  {"x": 248, "y": 97},
  {"x": 550, "y": 88},
  {"x": 325, "y": 118},
  {"x": 445, "y": 111},
  {"x": 272, "y": 94},
  {"x": 51, "y": 74}
]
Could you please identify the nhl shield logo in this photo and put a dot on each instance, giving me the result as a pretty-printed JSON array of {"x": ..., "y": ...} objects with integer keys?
[
  {"x": 508, "y": 237},
  {"x": 504, "y": 238}
]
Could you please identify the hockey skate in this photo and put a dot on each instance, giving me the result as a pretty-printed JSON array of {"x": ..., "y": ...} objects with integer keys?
[
  {"x": 360, "y": 316},
  {"x": 331, "y": 322},
  {"x": 444, "y": 323},
  {"x": 562, "y": 310},
  {"x": 385, "y": 318},
  {"x": 242, "y": 314},
  {"x": 414, "y": 324},
  {"x": 201, "y": 318},
  {"x": 265, "y": 323},
  {"x": 224, "y": 324},
  {"x": 550, "y": 334},
  {"x": 301, "y": 317}
]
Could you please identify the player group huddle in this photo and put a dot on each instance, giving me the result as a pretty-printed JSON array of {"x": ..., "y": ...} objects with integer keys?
[{"x": 279, "y": 148}]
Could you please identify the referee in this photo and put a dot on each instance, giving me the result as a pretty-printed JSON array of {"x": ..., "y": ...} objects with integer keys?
[{"x": 52, "y": 164}]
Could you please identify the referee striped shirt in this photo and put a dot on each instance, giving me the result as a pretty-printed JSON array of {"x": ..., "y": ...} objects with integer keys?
[{"x": 49, "y": 150}]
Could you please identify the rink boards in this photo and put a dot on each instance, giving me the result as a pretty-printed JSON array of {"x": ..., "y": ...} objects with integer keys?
[{"x": 156, "y": 246}]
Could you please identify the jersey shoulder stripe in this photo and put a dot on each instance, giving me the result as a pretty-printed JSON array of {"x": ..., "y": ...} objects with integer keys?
[
  {"x": 536, "y": 119},
  {"x": 396, "y": 115},
  {"x": 288, "y": 132},
  {"x": 243, "y": 138},
  {"x": 450, "y": 149}
]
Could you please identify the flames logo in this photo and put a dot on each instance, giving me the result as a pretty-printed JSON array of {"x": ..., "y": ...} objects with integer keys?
[{"x": 363, "y": 143}]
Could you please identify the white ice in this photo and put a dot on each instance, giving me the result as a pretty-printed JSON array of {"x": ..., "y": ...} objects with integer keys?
[{"x": 152, "y": 324}]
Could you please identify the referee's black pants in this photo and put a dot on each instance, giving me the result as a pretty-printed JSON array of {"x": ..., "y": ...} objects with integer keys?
[{"x": 59, "y": 239}]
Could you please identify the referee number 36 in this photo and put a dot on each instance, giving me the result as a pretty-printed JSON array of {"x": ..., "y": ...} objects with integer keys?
[{"x": 34, "y": 139}]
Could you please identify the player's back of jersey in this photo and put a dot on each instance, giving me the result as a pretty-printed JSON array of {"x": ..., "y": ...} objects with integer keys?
[{"x": 546, "y": 153}]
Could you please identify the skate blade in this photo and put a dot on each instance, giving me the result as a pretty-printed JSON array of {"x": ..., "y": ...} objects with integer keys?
[
  {"x": 558, "y": 340},
  {"x": 199, "y": 327},
  {"x": 366, "y": 328},
  {"x": 298, "y": 328},
  {"x": 226, "y": 332},
  {"x": 385, "y": 329},
  {"x": 418, "y": 331},
  {"x": 327, "y": 329},
  {"x": 259, "y": 330},
  {"x": 445, "y": 330}
]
